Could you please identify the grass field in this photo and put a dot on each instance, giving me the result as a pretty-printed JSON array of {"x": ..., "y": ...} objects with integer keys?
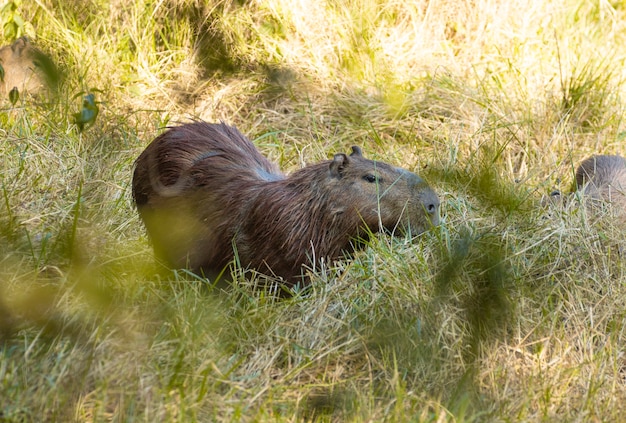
[{"x": 507, "y": 311}]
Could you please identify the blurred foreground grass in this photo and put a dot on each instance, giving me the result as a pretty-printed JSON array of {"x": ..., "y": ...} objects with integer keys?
[{"x": 508, "y": 311}]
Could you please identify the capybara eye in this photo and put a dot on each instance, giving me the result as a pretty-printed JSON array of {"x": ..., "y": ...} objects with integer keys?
[{"x": 370, "y": 178}]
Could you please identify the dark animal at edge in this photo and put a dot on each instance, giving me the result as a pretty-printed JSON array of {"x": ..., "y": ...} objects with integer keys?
[
  {"x": 207, "y": 196},
  {"x": 603, "y": 178}
]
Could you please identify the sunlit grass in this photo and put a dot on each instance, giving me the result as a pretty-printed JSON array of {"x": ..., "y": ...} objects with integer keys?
[{"x": 509, "y": 310}]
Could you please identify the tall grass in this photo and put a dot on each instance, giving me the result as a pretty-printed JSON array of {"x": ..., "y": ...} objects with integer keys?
[{"x": 508, "y": 310}]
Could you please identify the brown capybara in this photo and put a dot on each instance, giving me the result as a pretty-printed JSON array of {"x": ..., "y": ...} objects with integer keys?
[
  {"x": 603, "y": 178},
  {"x": 209, "y": 198},
  {"x": 26, "y": 68}
]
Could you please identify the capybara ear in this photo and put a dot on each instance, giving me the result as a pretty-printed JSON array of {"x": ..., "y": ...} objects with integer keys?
[
  {"x": 338, "y": 165},
  {"x": 356, "y": 151},
  {"x": 19, "y": 45}
]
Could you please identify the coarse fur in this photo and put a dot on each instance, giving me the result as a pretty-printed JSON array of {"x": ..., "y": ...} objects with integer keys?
[
  {"x": 208, "y": 197},
  {"x": 603, "y": 178},
  {"x": 26, "y": 68}
]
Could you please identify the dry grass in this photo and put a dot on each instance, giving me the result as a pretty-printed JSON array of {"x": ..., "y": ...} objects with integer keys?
[{"x": 509, "y": 311}]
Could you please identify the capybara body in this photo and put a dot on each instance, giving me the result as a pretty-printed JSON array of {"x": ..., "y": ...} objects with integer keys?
[
  {"x": 603, "y": 178},
  {"x": 208, "y": 197},
  {"x": 26, "y": 68}
]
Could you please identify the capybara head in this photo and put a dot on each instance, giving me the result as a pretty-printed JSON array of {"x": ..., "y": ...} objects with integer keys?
[
  {"x": 26, "y": 68},
  {"x": 384, "y": 197}
]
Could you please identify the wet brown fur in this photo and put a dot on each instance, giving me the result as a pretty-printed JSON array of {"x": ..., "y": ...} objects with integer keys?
[{"x": 207, "y": 195}]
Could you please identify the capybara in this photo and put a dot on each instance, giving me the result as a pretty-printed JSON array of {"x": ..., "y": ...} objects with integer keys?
[
  {"x": 209, "y": 198},
  {"x": 603, "y": 178},
  {"x": 26, "y": 68}
]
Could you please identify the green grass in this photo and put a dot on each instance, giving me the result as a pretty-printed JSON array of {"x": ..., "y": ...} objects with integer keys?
[{"x": 508, "y": 311}]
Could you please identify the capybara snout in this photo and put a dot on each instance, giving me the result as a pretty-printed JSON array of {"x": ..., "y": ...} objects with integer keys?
[
  {"x": 427, "y": 198},
  {"x": 418, "y": 203},
  {"x": 208, "y": 198}
]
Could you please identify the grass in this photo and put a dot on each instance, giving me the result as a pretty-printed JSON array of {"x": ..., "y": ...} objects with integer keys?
[{"x": 508, "y": 311}]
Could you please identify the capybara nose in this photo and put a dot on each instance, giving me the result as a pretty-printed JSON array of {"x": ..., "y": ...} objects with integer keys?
[
  {"x": 431, "y": 206},
  {"x": 433, "y": 211},
  {"x": 427, "y": 197}
]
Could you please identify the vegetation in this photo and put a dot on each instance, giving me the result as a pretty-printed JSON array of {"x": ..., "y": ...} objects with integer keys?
[{"x": 508, "y": 311}]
